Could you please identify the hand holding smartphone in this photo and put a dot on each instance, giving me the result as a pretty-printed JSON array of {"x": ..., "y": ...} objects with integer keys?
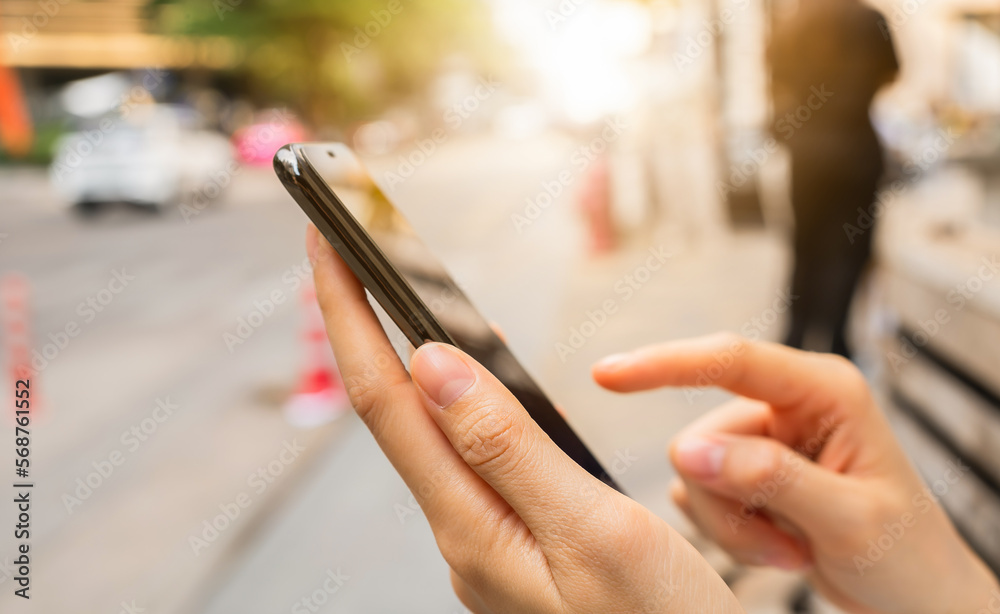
[{"x": 386, "y": 255}]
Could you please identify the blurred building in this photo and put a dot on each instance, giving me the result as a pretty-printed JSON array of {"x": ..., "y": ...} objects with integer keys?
[
  {"x": 45, "y": 45},
  {"x": 99, "y": 34}
]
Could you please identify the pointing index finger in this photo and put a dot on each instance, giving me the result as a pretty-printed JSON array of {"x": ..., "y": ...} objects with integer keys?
[{"x": 781, "y": 376}]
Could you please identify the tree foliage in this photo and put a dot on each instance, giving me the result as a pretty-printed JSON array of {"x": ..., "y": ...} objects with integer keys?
[{"x": 337, "y": 60}]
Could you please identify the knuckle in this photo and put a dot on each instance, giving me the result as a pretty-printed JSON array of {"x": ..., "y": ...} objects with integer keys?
[
  {"x": 863, "y": 522},
  {"x": 488, "y": 438},
  {"x": 364, "y": 394},
  {"x": 752, "y": 470},
  {"x": 369, "y": 392}
]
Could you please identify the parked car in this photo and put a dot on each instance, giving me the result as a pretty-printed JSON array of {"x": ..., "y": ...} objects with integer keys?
[{"x": 153, "y": 156}]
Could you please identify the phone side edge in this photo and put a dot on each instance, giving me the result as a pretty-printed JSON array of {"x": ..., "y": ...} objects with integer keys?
[{"x": 367, "y": 263}]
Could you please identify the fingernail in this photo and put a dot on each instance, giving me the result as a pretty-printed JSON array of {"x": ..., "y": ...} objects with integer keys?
[
  {"x": 698, "y": 457},
  {"x": 441, "y": 373},
  {"x": 614, "y": 362}
]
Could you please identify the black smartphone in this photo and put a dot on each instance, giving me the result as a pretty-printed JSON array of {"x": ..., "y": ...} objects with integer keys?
[{"x": 412, "y": 286}]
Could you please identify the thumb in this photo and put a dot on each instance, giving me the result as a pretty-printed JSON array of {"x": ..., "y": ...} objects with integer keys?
[
  {"x": 495, "y": 436},
  {"x": 764, "y": 474}
]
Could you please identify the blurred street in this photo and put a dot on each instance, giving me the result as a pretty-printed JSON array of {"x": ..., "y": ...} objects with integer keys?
[
  {"x": 164, "y": 333},
  {"x": 596, "y": 176}
]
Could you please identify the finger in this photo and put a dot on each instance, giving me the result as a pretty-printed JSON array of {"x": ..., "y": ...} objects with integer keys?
[
  {"x": 781, "y": 376},
  {"x": 364, "y": 354},
  {"x": 763, "y": 474},
  {"x": 497, "y": 438},
  {"x": 739, "y": 529},
  {"x": 737, "y": 526},
  {"x": 389, "y": 404},
  {"x": 738, "y": 416}
]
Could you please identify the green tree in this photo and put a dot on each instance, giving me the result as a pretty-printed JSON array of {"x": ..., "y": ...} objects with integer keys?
[{"x": 338, "y": 60}]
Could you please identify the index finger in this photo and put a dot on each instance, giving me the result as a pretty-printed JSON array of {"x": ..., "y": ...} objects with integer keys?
[
  {"x": 384, "y": 396},
  {"x": 781, "y": 376}
]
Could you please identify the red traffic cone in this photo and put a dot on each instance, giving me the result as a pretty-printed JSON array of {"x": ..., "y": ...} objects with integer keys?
[
  {"x": 320, "y": 396},
  {"x": 595, "y": 205},
  {"x": 15, "y": 310}
]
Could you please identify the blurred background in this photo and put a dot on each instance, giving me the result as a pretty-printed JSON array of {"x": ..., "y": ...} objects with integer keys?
[{"x": 191, "y": 447}]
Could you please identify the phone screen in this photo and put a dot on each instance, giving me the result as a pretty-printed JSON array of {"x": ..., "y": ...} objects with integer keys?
[{"x": 413, "y": 286}]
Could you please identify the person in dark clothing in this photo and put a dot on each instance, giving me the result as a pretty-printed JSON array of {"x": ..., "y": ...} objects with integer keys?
[{"x": 827, "y": 61}]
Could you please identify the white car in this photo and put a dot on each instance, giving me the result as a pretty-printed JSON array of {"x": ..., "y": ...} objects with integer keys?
[{"x": 151, "y": 156}]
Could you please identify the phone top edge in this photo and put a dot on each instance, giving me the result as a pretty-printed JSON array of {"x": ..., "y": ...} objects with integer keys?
[{"x": 352, "y": 243}]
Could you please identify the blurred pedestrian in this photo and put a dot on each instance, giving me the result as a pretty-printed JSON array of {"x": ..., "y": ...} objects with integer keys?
[{"x": 828, "y": 59}]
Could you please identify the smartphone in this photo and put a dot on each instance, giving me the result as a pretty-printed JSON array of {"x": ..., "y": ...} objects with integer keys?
[{"x": 412, "y": 286}]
